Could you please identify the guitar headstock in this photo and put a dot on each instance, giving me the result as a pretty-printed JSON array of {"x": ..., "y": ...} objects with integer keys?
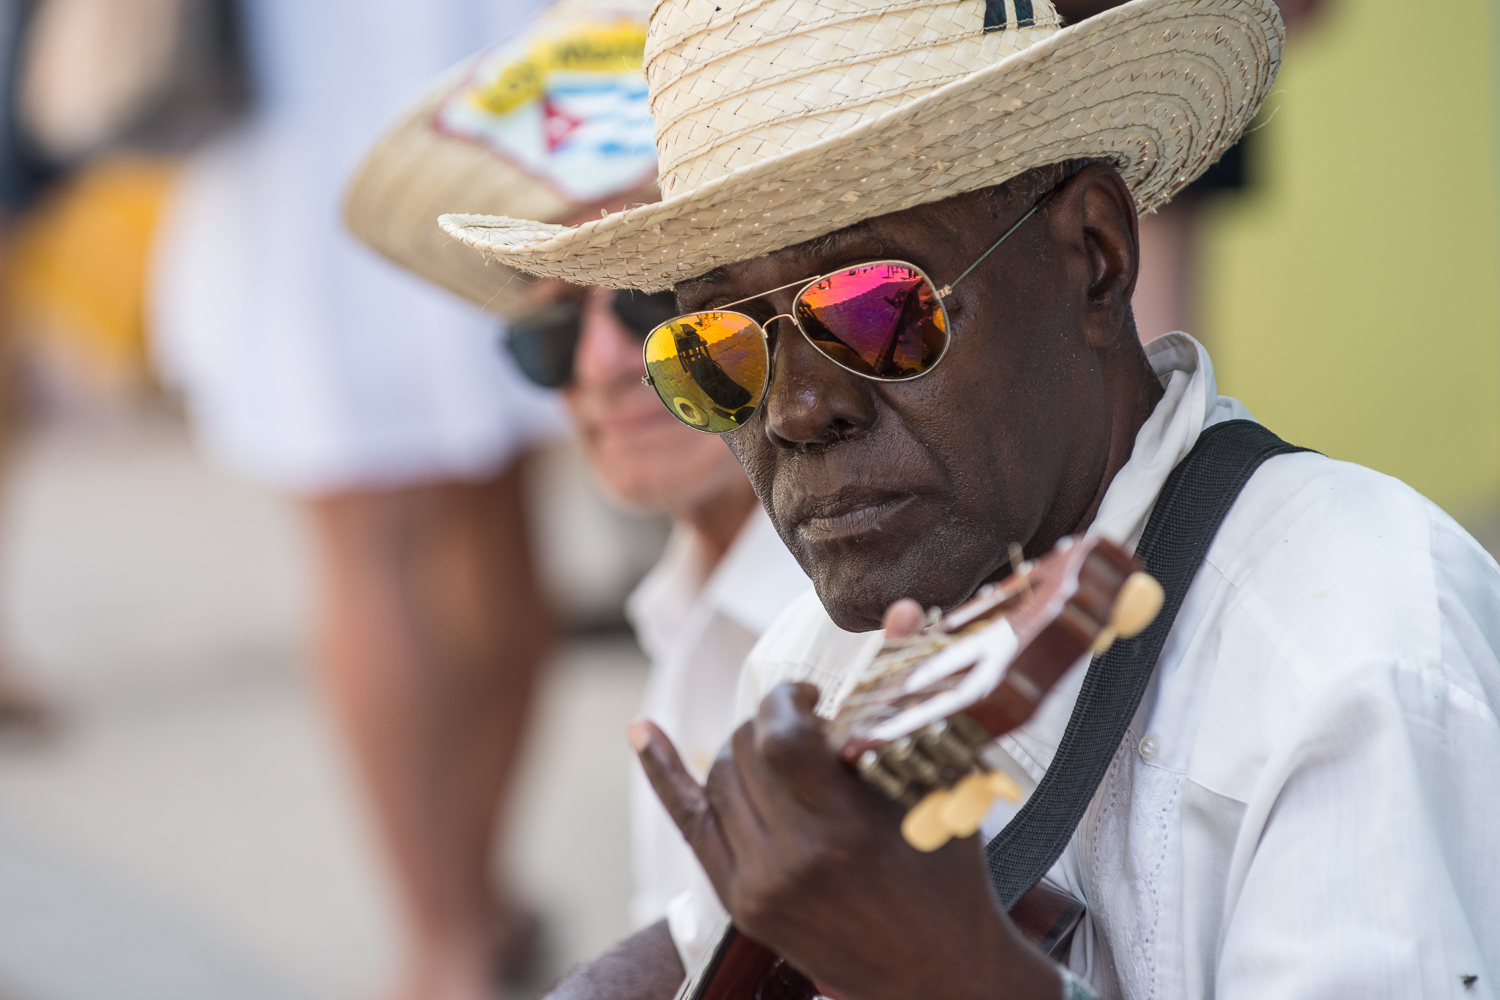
[{"x": 920, "y": 723}]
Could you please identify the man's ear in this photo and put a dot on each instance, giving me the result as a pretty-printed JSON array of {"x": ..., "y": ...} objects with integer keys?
[{"x": 1112, "y": 247}]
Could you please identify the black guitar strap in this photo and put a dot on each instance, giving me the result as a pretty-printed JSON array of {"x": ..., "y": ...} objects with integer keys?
[{"x": 1191, "y": 506}]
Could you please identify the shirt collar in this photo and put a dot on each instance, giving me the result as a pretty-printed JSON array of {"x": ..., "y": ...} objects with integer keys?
[
  {"x": 1190, "y": 402},
  {"x": 758, "y": 556},
  {"x": 662, "y": 601},
  {"x": 679, "y": 585}
]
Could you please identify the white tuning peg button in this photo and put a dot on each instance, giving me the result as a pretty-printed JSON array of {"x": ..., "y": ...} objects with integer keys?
[
  {"x": 1004, "y": 786},
  {"x": 925, "y": 827},
  {"x": 1136, "y": 604},
  {"x": 970, "y": 801}
]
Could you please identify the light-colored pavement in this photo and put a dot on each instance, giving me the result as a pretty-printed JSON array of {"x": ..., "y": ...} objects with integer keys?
[{"x": 193, "y": 832}]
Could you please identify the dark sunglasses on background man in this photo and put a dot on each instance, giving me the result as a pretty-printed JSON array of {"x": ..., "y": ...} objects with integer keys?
[
  {"x": 884, "y": 320},
  {"x": 545, "y": 342}
]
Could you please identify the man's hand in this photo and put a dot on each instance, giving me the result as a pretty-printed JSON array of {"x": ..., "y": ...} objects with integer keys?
[{"x": 810, "y": 861}]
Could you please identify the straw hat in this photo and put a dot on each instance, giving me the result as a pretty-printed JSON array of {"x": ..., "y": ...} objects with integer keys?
[
  {"x": 778, "y": 121},
  {"x": 553, "y": 123}
]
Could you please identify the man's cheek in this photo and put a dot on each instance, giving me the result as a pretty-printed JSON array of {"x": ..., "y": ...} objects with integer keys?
[{"x": 756, "y": 456}]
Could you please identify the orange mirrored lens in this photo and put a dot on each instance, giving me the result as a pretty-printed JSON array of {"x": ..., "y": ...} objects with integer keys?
[
  {"x": 709, "y": 368},
  {"x": 883, "y": 320}
]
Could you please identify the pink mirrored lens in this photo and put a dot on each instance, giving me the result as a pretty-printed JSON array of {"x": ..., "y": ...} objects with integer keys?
[{"x": 882, "y": 319}]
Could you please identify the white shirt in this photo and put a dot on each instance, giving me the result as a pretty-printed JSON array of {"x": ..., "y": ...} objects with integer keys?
[
  {"x": 697, "y": 626},
  {"x": 1307, "y": 804}
]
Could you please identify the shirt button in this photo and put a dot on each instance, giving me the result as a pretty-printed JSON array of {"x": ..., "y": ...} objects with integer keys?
[{"x": 1150, "y": 746}]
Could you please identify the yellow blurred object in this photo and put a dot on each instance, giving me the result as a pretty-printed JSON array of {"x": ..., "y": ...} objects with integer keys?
[
  {"x": 1353, "y": 298},
  {"x": 75, "y": 281}
]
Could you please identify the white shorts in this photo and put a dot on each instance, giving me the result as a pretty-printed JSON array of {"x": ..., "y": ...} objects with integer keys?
[{"x": 308, "y": 363}]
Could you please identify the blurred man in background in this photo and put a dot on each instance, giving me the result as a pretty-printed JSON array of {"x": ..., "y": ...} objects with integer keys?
[
  {"x": 315, "y": 369},
  {"x": 725, "y": 574}
]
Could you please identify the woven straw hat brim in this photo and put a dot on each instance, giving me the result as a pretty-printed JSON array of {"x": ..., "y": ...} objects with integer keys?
[
  {"x": 1161, "y": 87},
  {"x": 416, "y": 172}
]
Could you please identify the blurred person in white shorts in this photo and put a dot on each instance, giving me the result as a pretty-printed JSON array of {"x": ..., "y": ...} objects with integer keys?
[
  {"x": 313, "y": 367},
  {"x": 725, "y": 574}
]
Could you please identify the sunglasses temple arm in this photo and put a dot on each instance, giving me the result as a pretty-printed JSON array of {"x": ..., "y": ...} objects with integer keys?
[
  {"x": 943, "y": 292},
  {"x": 770, "y": 291}
]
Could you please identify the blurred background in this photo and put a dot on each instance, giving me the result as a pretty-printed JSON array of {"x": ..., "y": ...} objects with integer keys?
[{"x": 178, "y": 817}]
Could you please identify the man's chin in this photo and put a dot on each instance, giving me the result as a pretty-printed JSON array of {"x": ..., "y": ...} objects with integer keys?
[{"x": 856, "y": 593}]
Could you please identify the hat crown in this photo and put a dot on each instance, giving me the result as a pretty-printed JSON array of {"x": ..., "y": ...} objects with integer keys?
[{"x": 734, "y": 82}]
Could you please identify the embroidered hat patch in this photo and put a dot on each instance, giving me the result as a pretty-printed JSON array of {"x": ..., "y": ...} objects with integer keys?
[{"x": 565, "y": 102}]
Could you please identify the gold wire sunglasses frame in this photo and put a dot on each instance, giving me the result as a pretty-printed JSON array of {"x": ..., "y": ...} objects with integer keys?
[{"x": 805, "y": 284}]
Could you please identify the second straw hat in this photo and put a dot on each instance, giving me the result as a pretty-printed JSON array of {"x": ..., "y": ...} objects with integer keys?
[{"x": 552, "y": 124}]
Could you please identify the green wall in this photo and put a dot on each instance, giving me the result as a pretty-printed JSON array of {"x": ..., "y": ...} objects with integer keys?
[{"x": 1353, "y": 299}]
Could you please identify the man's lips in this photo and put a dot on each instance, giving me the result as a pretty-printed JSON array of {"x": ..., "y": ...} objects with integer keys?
[{"x": 846, "y": 516}]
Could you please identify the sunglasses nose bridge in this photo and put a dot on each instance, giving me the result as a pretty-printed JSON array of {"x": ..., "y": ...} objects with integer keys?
[
  {"x": 811, "y": 399},
  {"x": 786, "y": 316},
  {"x": 772, "y": 342}
]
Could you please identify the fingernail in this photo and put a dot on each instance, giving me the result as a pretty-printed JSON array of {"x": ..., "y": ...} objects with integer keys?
[{"x": 639, "y": 735}]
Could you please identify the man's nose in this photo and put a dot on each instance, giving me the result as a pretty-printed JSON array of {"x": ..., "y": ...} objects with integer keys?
[
  {"x": 606, "y": 352},
  {"x": 812, "y": 401}
]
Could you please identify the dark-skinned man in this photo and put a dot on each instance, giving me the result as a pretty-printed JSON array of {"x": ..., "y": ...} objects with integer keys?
[{"x": 904, "y": 243}]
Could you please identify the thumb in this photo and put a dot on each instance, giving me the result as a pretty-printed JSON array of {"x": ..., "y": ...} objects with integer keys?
[{"x": 902, "y": 619}]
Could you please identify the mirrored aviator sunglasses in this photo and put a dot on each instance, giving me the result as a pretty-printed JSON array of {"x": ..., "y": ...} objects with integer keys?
[
  {"x": 884, "y": 320},
  {"x": 544, "y": 342}
]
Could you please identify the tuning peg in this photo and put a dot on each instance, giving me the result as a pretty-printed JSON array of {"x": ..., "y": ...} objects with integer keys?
[
  {"x": 1136, "y": 604},
  {"x": 972, "y": 798},
  {"x": 945, "y": 747},
  {"x": 958, "y": 811},
  {"x": 925, "y": 827},
  {"x": 1003, "y": 786},
  {"x": 905, "y": 757},
  {"x": 877, "y": 774},
  {"x": 967, "y": 806}
]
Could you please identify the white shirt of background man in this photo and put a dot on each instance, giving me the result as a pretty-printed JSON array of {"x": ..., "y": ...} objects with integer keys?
[
  {"x": 697, "y": 626},
  {"x": 1305, "y": 805}
]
